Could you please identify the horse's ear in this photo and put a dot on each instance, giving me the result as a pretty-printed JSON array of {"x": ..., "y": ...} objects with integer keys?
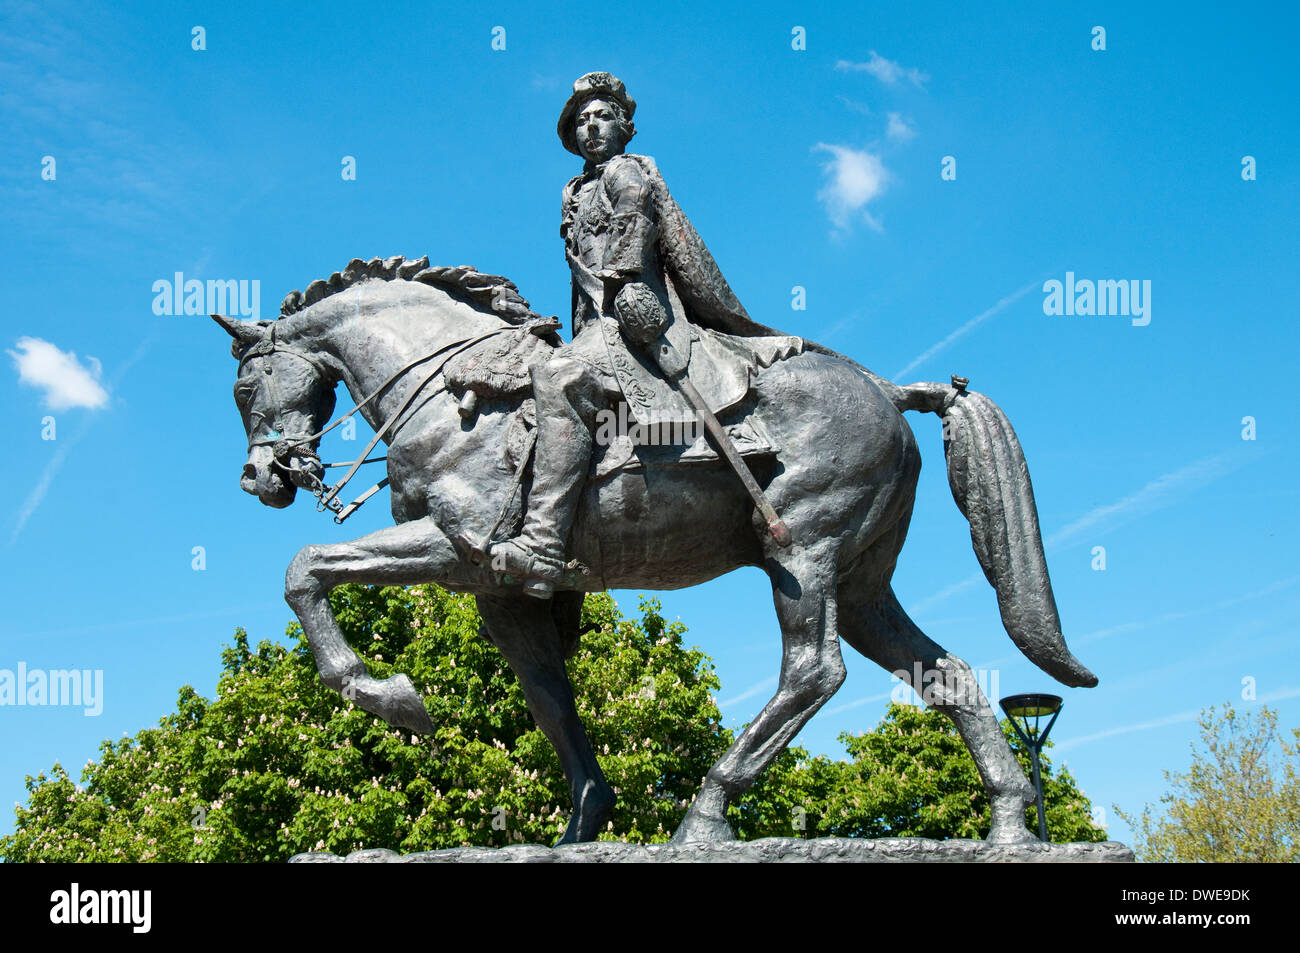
[{"x": 245, "y": 332}]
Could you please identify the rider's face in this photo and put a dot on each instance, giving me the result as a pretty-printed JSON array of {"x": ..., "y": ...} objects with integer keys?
[{"x": 597, "y": 131}]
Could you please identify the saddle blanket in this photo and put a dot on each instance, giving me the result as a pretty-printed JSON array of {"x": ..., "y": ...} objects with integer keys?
[{"x": 623, "y": 454}]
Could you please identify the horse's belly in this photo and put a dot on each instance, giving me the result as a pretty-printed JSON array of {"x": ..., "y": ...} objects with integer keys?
[{"x": 665, "y": 529}]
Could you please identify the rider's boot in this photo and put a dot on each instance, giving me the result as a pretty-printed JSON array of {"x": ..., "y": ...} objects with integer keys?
[{"x": 537, "y": 555}]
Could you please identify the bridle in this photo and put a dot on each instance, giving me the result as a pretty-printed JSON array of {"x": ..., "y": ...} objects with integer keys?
[{"x": 284, "y": 446}]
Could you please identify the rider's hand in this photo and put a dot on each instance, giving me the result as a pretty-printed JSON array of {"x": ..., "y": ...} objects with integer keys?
[{"x": 640, "y": 313}]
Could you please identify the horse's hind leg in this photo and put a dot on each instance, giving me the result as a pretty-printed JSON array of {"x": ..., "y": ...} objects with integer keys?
[
  {"x": 803, "y": 586},
  {"x": 525, "y": 632},
  {"x": 883, "y": 632}
]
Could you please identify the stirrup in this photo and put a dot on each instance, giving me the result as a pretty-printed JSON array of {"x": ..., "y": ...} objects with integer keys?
[{"x": 538, "y": 573}]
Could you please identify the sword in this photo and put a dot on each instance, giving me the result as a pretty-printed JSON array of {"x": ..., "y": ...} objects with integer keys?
[{"x": 673, "y": 365}]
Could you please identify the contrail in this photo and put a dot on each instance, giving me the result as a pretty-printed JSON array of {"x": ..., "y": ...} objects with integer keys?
[
  {"x": 1189, "y": 613},
  {"x": 1184, "y": 716},
  {"x": 857, "y": 703},
  {"x": 943, "y": 595},
  {"x": 1125, "y": 729},
  {"x": 37, "y": 494},
  {"x": 140, "y": 623},
  {"x": 1148, "y": 498},
  {"x": 1152, "y": 495},
  {"x": 968, "y": 326},
  {"x": 750, "y": 692}
]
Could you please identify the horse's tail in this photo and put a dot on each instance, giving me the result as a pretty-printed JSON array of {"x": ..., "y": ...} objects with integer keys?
[{"x": 990, "y": 483}]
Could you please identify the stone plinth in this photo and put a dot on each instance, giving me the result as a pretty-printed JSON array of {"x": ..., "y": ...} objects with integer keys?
[{"x": 770, "y": 850}]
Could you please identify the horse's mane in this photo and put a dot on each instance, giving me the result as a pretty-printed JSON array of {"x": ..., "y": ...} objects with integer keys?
[{"x": 488, "y": 292}]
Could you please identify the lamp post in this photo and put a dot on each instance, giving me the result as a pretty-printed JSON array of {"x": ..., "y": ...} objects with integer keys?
[{"x": 1036, "y": 707}]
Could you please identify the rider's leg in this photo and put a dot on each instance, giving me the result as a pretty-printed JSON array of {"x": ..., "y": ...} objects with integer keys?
[{"x": 568, "y": 395}]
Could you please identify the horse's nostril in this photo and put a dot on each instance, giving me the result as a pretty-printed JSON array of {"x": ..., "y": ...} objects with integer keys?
[{"x": 250, "y": 472}]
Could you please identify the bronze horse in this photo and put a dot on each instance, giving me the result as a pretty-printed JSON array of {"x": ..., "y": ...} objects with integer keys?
[{"x": 843, "y": 477}]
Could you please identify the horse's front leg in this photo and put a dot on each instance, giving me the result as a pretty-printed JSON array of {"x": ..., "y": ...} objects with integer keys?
[{"x": 408, "y": 554}]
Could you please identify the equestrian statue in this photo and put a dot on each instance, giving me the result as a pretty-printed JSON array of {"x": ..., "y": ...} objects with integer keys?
[{"x": 670, "y": 441}]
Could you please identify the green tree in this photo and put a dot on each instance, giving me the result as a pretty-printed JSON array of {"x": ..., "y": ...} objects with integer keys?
[
  {"x": 910, "y": 777},
  {"x": 276, "y": 763},
  {"x": 1239, "y": 802}
]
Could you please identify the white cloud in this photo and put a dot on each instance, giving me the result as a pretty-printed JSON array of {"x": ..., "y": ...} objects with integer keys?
[
  {"x": 887, "y": 71},
  {"x": 856, "y": 106},
  {"x": 60, "y": 456},
  {"x": 855, "y": 177},
  {"x": 899, "y": 129},
  {"x": 67, "y": 383}
]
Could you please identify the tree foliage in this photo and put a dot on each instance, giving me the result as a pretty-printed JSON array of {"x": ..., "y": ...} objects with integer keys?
[
  {"x": 910, "y": 777},
  {"x": 277, "y": 763},
  {"x": 1239, "y": 802}
]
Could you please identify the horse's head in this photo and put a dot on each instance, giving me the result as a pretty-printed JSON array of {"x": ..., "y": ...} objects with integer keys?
[{"x": 284, "y": 395}]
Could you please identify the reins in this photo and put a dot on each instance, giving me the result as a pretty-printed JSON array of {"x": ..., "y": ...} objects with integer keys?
[{"x": 284, "y": 447}]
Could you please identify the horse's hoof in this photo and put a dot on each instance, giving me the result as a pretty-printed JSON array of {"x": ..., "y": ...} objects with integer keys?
[
  {"x": 1011, "y": 834},
  {"x": 1009, "y": 824},
  {"x": 703, "y": 829},
  {"x": 573, "y": 834},
  {"x": 1008, "y": 810},
  {"x": 393, "y": 699},
  {"x": 590, "y": 815},
  {"x": 408, "y": 706}
]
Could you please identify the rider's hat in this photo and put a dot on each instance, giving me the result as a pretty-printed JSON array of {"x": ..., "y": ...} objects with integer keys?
[{"x": 585, "y": 89}]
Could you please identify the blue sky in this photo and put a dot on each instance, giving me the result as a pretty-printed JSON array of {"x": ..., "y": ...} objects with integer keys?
[{"x": 817, "y": 168}]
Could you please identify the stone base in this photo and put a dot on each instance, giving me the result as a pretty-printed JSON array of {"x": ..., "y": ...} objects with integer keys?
[{"x": 770, "y": 850}]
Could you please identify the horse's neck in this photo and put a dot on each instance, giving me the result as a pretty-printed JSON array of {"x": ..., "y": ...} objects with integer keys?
[{"x": 369, "y": 342}]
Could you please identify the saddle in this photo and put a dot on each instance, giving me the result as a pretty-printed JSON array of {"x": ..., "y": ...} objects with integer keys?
[{"x": 500, "y": 368}]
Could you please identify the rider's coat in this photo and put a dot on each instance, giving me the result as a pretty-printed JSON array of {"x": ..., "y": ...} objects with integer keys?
[{"x": 619, "y": 221}]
